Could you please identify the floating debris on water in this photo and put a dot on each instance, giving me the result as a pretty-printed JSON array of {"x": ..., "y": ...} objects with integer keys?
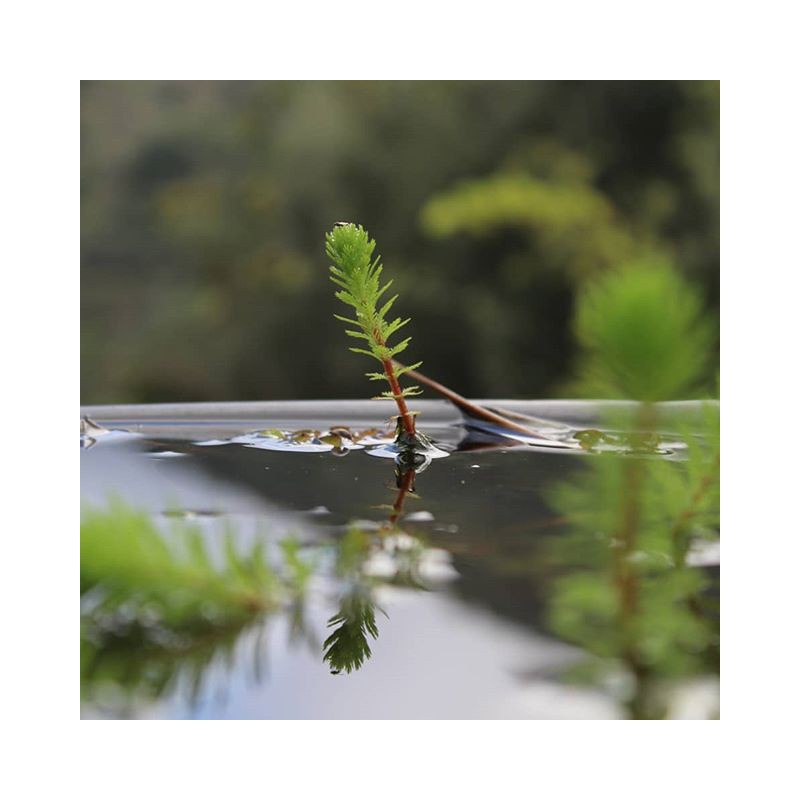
[
  {"x": 338, "y": 440},
  {"x": 596, "y": 441}
]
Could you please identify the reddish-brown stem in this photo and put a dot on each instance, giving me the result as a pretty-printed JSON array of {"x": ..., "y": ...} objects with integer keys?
[
  {"x": 405, "y": 414},
  {"x": 470, "y": 408},
  {"x": 405, "y": 484},
  {"x": 397, "y": 392}
]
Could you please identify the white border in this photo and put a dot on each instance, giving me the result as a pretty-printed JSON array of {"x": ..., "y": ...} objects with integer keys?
[{"x": 50, "y": 47}]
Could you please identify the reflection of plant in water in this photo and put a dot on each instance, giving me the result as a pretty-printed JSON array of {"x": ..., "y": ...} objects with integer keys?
[
  {"x": 389, "y": 557},
  {"x": 636, "y": 599},
  {"x": 348, "y": 646},
  {"x": 156, "y": 607},
  {"x": 132, "y": 571},
  {"x": 149, "y": 663},
  {"x": 406, "y": 485}
]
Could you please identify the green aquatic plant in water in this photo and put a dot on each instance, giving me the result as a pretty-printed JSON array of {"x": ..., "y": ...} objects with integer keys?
[
  {"x": 358, "y": 274},
  {"x": 631, "y": 593},
  {"x": 158, "y": 607}
]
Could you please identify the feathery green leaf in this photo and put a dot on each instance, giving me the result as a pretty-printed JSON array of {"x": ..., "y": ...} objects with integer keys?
[{"x": 354, "y": 268}]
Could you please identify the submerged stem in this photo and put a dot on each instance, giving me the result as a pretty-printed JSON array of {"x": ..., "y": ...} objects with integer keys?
[{"x": 405, "y": 486}]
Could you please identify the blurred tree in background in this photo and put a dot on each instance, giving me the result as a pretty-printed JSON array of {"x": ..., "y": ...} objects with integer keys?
[{"x": 204, "y": 206}]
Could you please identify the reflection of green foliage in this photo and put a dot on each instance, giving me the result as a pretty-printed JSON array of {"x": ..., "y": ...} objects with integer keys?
[
  {"x": 150, "y": 662},
  {"x": 351, "y": 553},
  {"x": 157, "y": 608},
  {"x": 644, "y": 334},
  {"x": 128, "y": 564},
  {"x": 348, "y": 647},
  {"x": 158, "y": 611},
  {"x": 299, "y": 569}
]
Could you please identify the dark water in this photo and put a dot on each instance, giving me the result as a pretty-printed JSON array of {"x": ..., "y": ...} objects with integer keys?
[{"x": 474, "y": 628}]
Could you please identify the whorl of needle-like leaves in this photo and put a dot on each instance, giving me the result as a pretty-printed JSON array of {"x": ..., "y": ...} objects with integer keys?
[{"x": 358, "y": 275}]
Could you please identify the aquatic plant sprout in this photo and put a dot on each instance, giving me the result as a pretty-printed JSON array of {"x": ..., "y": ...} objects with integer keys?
[{"x": 358, "y": 275}]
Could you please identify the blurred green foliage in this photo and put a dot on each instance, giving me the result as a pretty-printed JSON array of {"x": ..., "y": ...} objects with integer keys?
[
  {"x": 645, "y": 335},
  {"x": 629, "y": 593},
  {"x": 159, "y": 607},
  {"x": 575, "y": 226},
  {"x": 133, "y": 571},
  {"x": 203, "y": 203}
]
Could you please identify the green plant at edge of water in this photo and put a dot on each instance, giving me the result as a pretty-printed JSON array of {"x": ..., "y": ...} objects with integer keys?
[
  {"x": 628, "y": 590},
  {"x": 358, "y": 275}
]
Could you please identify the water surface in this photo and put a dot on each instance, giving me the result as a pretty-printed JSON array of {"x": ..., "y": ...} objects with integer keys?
[{"x": 464, "y": 604}]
